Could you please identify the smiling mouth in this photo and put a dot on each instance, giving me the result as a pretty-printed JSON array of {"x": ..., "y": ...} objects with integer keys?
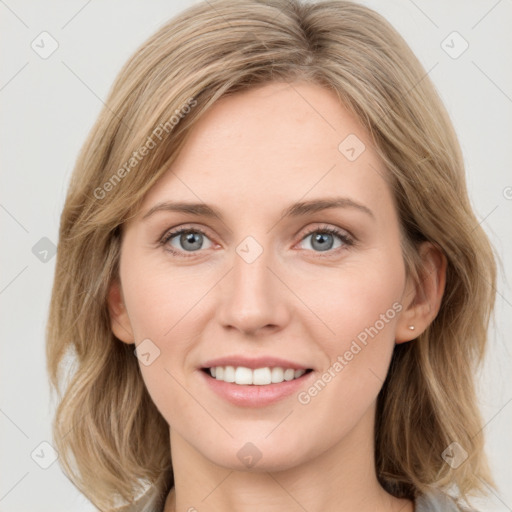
[{"x": 244, "y": 376}]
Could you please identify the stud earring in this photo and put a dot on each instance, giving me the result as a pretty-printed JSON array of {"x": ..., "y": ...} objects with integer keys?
[{"x": 411, "y": 327}]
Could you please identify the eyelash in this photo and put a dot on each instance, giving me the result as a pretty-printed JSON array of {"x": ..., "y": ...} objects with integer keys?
[{"x": 346, "y": 239}]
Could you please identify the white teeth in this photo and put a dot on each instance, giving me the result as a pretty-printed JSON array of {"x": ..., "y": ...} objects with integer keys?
[
  {"x": 277, "y": 375},
  {"x": 289, "y": 374},
  {"x": 261, "y": 376},
  {"x": 243, "y": 375},
  {"x": 258, "y": 377},
  {"x": 229, "y": 374}
]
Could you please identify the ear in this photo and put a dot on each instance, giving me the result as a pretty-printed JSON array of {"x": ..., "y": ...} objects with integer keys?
[
  {"x": 422, "y": 299},
  {"x": 119, "y": 321}
]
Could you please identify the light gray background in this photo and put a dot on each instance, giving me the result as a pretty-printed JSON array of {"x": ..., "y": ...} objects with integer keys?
[{"x": 48, "y": 107}]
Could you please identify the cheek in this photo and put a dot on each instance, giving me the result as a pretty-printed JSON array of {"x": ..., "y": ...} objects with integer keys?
[
  {"x": 163, "y": 307},
  {"x": 362, "y": 308},
  {"x": 361, "y": 296},
  {"x": 161, "y": 302}
]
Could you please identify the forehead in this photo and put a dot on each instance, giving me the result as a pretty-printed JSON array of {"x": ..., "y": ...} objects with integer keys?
[{"x": 280, "y": 141}]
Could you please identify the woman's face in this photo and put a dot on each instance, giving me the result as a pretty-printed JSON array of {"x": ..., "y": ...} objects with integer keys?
[{"x": 272, "y": 284}]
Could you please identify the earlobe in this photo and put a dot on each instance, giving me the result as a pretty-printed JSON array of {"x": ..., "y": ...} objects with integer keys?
[
  {"x": 119, "y": 320},
  {"x": 423, "y": 298}
]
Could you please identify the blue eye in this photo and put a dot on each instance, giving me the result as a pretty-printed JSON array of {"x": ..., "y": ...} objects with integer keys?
[
  {"x": 188, "y": 240},
  {"x": 324, "y": 239},
  {"x": 185, "y": 242}
]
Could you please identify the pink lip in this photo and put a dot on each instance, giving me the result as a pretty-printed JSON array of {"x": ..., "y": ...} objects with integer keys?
[
  {"x": 253, "y": 362},
  {"x": 253, "y": 395}
]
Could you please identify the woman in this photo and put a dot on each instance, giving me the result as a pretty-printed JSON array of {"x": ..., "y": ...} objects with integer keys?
[{"x": 314, "y": 347}]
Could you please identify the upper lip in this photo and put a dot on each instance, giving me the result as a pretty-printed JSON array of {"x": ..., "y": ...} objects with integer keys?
[{"x": 253, "y": 362}]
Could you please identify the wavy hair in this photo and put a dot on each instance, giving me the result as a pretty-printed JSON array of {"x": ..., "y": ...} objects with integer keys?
[{"x": 112, "y": 440}]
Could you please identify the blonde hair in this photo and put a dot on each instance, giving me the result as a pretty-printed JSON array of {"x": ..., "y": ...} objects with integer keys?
[{"x": 112, "y": 440}]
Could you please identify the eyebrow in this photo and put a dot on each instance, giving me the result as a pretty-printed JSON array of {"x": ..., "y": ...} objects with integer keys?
[{"x": 295, "y": 210}]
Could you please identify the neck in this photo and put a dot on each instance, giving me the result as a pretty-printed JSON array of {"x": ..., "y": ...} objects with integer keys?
[{"x": 341, "y": 478}]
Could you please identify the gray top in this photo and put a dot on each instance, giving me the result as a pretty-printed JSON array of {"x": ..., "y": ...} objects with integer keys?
[
  {"x": 430, "y": 502},
  {"x": 437, "y": 502}
]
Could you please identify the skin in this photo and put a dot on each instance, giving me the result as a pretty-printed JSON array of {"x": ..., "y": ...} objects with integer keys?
[{"x": 251, "y": 156}]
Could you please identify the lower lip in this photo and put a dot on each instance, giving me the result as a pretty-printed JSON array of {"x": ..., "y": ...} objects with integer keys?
[{"x": 253, "y": 395}]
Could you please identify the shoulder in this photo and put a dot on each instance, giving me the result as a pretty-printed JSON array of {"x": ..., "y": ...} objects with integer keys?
[{"x": 437, "y": 501}]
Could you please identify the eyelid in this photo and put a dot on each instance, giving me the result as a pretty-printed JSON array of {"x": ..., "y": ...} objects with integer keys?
[
  {"x": 328, "y": 228},
  {"x": 344, "y": 235},
  {"x": 347, "y": 239},
  {"x": 170, "y": 232}
]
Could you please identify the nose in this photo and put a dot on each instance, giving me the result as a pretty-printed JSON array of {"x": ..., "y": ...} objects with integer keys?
[{"x": 252, "y": 298}]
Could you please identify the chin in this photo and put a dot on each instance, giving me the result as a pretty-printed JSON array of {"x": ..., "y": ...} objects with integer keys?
[{"x": 259, "y": 455}]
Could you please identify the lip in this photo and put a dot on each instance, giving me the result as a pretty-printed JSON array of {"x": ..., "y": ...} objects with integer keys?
[
  {"x": 253, "y": 362},
  {"x": 255, "y": 396}
]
